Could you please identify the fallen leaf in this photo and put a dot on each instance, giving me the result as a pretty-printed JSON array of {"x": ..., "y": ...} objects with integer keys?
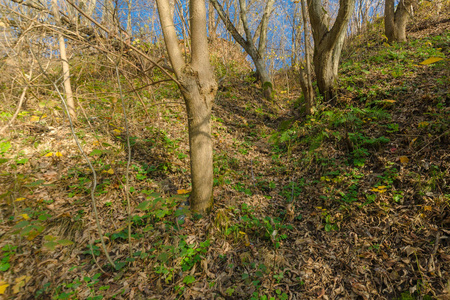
[
  {"x": 25, "y": 216},
  {"x": 19, "y": 199},
  {"x": 110, "y": 171},
  {"x": 182, "y": 192},
  {"x": 427, "y": 208},
  {"x": 58, "y": 154},
  {"x": 3, "y": 286},
  {"x": 49, "y": 154},
  {"x": 423, "y": 124},
  {"x": 20, "y": 282},
  {"x": 404, "y": 160},
  {"x": 431, "y": 60},
  {"x": 117, "y": 132}
]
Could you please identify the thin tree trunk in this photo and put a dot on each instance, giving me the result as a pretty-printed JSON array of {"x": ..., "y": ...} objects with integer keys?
[
  {"x": 65, "y": 64},
  {"x": 198, "y": 88},
  {"x": 389, "y": 23},
  {"x": 212, "y": 27},
  {"x": 305, "y": 80}
]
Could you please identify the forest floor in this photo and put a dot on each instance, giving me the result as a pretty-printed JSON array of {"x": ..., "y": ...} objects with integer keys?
[{"x": 350, "y": 203}]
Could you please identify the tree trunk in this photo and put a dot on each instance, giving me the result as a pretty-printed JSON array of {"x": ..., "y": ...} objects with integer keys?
[
  {"x": 395, "y": 22},
  {"x": 198, "y": 88},
  {"x": 401, "y": 20},
  {"x": 328, "y": 43},
  {"x": 248, "y": 43},
  {"x": 305, "y": 76},
  {"x": 65, "y": 64}
]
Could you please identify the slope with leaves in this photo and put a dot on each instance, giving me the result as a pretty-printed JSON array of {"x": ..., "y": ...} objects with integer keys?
[{"x": 350, "y": 203}]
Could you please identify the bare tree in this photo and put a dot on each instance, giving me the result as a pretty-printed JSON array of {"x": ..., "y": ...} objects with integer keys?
[
  {"x": 65, "y": 64},
  {"x": 395, "y": 21},
  {"x": 249, "y": 42},
  {"x": 198, "y": 87},
  {"x": 328, "y": 42}
]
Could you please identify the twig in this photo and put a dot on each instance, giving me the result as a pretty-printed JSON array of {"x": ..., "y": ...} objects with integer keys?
[
  {"x": 94, "y": 174},
  {"x": 125, "y": 43},
  {"x": 19, "y": 106},
  {"x": 428, "y": 144}
]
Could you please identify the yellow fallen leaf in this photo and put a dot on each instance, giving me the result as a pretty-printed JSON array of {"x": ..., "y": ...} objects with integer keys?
[
  {"x": 117, "y": 131},
  {"x": 19, "y": 199},
  {"x": 404, "y": 160},
  {"x": 20, "y": 282},
  {"x": 3, "y": 286},
  {"x": 431, "y": 60},
  {"x": 49, "y": 154},
  {"x": 58, "y": 154},
  {"x": 386, "y": 44},
  {"x": 25, "y": 216},
  {"x": 389, "y": 101},
  {"x": 34, "y": 118},
  {"x": 110, "y": 171},
  {"x": 182, "y": 192},
  {"x": 423, "y": 124},
  {"x": 427, "y": 208}
]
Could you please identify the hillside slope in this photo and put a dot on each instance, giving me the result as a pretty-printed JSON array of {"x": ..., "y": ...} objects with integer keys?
[{"x": 351, "y": 203}]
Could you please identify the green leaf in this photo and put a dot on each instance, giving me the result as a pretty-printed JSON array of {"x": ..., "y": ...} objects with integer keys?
[
  {"x": 65, "y": 242},
  {"x": 21, "y": 224},
  {"x": 120, "y": 265},
  {"x": 50, "y": 238},
  {"x": 4, "y": 267},
  {"x": 96, "y": 152},
  {"x": 144, "y": 205},
  {"x": 189, "y": 279},
  {"x": 3, "y": 160},
  {"x": 35, "y": 183},
  {"x": 51, "y": 245}
]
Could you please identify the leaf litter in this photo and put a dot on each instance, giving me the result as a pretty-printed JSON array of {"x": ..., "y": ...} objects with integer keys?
[{"x": 282, "y": 225}]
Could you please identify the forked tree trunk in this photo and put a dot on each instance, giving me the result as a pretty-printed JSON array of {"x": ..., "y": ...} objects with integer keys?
[
  {"x": 198, "y": 87},
  {"x": 395, "y": 22},
  {"x": 249, "y": 42},
  {"x": 65, "y": 64},
  {"x": 328, "y": 42}
]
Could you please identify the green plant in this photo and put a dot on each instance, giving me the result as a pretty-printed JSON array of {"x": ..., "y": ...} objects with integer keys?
[{"x": 6, "y": 253}]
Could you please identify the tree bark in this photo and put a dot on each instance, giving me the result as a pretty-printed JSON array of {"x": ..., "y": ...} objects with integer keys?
[
  {"x": 328, "y": 42},
  {"x": 198, "y": 87},
  {"x": 65, "y": 64}
]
